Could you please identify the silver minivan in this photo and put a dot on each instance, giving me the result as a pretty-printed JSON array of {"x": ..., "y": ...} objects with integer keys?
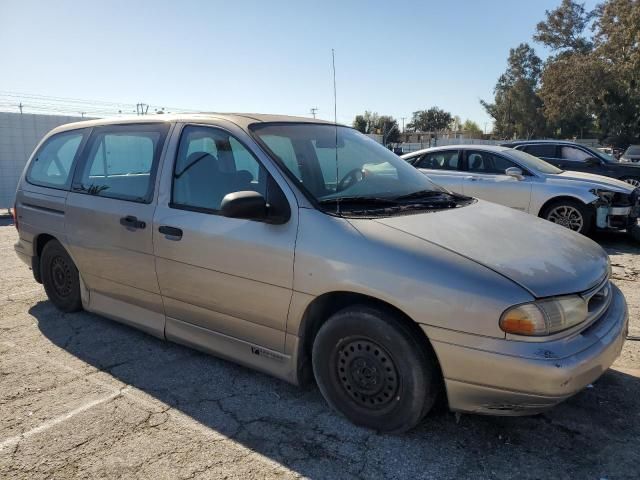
[{"x": 308, "y": 251}]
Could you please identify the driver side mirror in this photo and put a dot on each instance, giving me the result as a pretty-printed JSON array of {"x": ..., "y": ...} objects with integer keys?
[
  {"x": 514, "y": 172},
  {"x": 248, "y": 205},
  {"x": 592, "y": 161}
]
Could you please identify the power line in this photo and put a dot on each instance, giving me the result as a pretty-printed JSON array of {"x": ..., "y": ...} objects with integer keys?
[{"x": 25, "y": 102}]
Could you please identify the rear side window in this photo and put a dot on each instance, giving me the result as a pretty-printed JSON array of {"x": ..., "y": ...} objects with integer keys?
[
  {"x": 53, "y": 164},
  {"x": 546, "y": 151},
  {"x": 574, "y": 154},
  {"x": 121, "y": 162},
  {"x": 447, "y": 160},
  {"x": 486, "y": 162}
]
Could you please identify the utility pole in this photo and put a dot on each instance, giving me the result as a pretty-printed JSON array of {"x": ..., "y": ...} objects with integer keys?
[
  {"x": 403, "y": 118},
  {"x": 20, "y": 107},
  {"x": 313, "y": 111},
  {"x": 142, "y": 108}
]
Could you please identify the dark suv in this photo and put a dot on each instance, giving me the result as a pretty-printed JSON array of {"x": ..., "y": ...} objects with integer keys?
[
  {"x": 579, "y": 158},
  {"x": 631, "y": 155}
]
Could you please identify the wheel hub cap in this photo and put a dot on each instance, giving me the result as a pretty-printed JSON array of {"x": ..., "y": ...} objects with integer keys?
[
  {"x": 566, "y": 216},
  {"x": 367, "y": 373},
  {"x": 61, "y": 276}
]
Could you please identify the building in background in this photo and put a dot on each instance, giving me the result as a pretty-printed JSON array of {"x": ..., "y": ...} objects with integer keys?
[{"x": 19, "y": 134}]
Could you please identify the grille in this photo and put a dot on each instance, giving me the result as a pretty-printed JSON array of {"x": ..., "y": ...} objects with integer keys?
[{"x": 598, "y": 300}]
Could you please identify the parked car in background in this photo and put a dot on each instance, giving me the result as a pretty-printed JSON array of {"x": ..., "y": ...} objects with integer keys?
[
  {"x": 299, "y": 247},
  {"x": 631, "y": 154},
  {"x": 576, "y": 200},
  {"x": 579, "y": 158}
]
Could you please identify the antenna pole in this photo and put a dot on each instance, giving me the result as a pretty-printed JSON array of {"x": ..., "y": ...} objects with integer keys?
[{"x": 335, "y": 121}]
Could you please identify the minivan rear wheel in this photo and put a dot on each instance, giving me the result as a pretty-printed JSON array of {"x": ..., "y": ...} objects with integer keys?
[
  {"x": 374, "y": 370},
  {"x": 60, "y": 277},
  {"x": 570, "y": 214}
]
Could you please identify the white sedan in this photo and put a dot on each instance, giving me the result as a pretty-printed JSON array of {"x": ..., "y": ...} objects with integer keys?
[{"x": 576, "y": 200}]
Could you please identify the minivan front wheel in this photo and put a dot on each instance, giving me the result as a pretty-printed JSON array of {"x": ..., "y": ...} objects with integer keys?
[
  {"x": 60, "y": 277},
  {"x": 374, "y": 370},
  {"x": 570, "y": 214}
]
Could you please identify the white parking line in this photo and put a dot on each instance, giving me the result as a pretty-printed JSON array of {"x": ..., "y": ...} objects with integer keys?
[{"x": 11, "y": 441}]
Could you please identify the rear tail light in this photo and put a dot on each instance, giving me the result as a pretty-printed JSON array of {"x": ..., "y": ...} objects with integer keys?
[{"x": 14, "y": 213}]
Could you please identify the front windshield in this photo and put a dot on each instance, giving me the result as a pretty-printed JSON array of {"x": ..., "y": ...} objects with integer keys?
[
  {"x": 599, "y": 154},
  {"x": 341, "y": 163},
  {"x": 534, "y": 163}
]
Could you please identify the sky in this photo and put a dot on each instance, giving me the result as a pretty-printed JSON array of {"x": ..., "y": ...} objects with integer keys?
[{"x": 270, "y": 56}]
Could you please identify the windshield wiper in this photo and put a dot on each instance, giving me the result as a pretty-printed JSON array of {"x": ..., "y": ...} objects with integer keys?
[
  {"x": 359, "y": 201},
  {"x": 427, "y": 194}
]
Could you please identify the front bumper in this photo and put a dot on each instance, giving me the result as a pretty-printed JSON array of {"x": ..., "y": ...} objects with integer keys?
[{"x": 504, "y": 377}]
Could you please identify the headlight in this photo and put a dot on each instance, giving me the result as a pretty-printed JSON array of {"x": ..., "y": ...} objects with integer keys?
[
  {"x": 603, "y": 194},
  {"x": 544, "y": 317}
]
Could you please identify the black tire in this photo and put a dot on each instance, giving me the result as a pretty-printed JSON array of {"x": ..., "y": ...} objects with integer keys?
[
  {"x": 634, "y": 232},
  {"x": 374, "y": 370},
  {"x": 60, "y": 277},
  {"x": 585, "y": 212},
  {"x": 635, "y": 181}
]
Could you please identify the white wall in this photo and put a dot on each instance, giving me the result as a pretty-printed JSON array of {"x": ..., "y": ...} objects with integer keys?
[{"x": 19, "y": 134}]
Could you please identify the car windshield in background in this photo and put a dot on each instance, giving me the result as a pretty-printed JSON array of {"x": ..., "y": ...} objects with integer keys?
[
  {"x": 534, "y": 163},
  {"x": 342, "y": 165},
  {"x": 633, "y": 150},
  {"x": 599, "y": 154}
]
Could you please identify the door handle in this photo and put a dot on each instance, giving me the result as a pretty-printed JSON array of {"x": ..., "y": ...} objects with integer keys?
[
  {"x": 472, "y": 179},
  {"x": 171, "y": 231},
  {"x": 132, "y": 222}
]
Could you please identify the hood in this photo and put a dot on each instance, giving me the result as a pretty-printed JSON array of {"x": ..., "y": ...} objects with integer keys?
[
  {"x": 542, "y": 257},
  {"x": 595, "y": 181}
]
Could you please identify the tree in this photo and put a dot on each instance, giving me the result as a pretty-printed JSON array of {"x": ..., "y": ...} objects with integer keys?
[
  {"x": 592, "y": 84},
  {"x": 472, "y": 129},
  {"x": 360, "y": 124},
  {"x": 572, "y": 87},
  {"x": 366, "y": 123},
  {"x": 617, "y": 48},
  {"x": 517, "y": 108},
  {"x": 385, "y": 125},
  {"x": 563, "y": 30},
  {"x": 433, "y": 120}
]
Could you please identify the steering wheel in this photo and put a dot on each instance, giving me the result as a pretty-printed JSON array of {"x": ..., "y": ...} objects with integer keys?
[{"x": 353, "y": 176}]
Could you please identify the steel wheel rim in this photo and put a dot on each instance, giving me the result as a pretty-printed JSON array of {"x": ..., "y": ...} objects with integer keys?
[
  {"x": 567, "y": 216},
  {"x": 633, "y": 181},
  {"x": 61, "y": 277},
  {"x": 367, "y": 373}
]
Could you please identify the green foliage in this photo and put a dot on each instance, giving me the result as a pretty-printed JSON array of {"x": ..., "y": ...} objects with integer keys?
[
  {"x": 471, "y": 129},
  {"x": 366, "y": 123},
  {"x": 517, "y": 108},
  {"x": 433, "y": 120},
  {"x": 564, "y": 28},
  {"x": 385, "y": 125},
  {"x": 590, "y": 85}
]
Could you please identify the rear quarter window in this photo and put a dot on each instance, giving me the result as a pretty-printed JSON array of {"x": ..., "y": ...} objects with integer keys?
[{"x": 53, "y": 164}]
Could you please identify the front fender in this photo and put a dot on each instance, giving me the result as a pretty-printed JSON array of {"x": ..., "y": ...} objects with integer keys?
[
  {"x": 430, "y": 284},
  {"x": 542, "y": 196}
]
